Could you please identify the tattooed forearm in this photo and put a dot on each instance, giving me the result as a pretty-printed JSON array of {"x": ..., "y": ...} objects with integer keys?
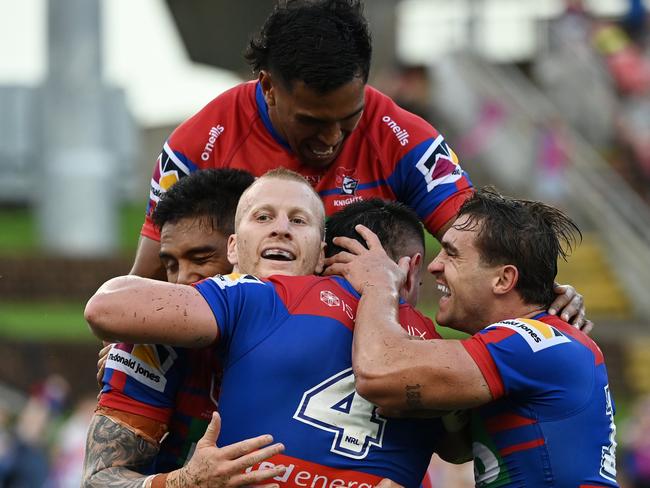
[
  {"x": 413, "y": 396},
  {"x": 114, "y": 454}
]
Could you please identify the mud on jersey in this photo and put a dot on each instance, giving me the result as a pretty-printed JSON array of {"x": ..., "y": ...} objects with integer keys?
[
  {"x": 552, "y": 421},
  {"x": 288, "y": 371},
  {"x": 392, "y": 154}
]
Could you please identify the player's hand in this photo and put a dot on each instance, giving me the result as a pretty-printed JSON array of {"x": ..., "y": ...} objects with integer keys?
[
  {"x": 386, "y": 483},
  {"x": 571, "y": 306},
  {"x": 366, "y": 267},
  {"x": 212, "y": 466},
  {"x": 101, "y": 363}
]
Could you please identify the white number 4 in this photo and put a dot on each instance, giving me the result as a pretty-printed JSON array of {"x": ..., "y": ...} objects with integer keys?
[{"x": 335, "y": 406}]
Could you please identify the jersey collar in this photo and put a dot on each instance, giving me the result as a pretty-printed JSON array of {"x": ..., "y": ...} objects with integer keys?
[{"x": 263, "y": 110}]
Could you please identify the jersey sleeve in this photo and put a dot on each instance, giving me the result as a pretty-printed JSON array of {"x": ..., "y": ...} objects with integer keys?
[
  {"x": 529, "y": 359},
  {"x": 425, "y": 172},
  {"x": 246, "y": 310},
  {"x": 143, "y": 379},
  {"x": 430, "y": 180}
]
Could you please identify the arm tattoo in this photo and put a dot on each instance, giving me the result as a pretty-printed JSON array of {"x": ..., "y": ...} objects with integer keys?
[
  {"x": 413, "y": 396},
  {"x": 114, "y": 454}
]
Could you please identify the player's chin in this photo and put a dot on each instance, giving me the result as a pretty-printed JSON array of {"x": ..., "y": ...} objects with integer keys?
[{"x": 286, "y": 268}]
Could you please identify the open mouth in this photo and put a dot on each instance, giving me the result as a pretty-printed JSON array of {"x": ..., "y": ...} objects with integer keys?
[
  {"x": 444, "y": 290},
  {"x": 275, "y": 254}
]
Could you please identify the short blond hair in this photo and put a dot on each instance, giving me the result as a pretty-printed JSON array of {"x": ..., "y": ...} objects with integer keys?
[{"x": 282, "y": 173}]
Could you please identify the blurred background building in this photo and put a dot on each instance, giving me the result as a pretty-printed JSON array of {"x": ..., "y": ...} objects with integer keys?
[{"x": 546, "y": 99}]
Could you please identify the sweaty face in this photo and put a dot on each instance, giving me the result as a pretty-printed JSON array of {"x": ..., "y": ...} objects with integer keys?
[
  {"x": 279, "y": 231},
  {"x": 464, "y": 281},
  {"x": 192, "y": 250},
  {"x": 314, "y": 124}
]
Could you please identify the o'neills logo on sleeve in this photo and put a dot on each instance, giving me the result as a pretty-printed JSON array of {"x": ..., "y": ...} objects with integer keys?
[
  {"x": 213, "y": 135},
  {"x": 401, "y": 134},
  {"x": 130, "y": 365}
]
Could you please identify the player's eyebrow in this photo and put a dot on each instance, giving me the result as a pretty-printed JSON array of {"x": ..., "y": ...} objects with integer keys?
[{"x": 449, "y": 247}]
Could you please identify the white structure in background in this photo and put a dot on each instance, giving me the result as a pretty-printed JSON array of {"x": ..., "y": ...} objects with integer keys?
[
  {"x": 498, "y": 30},
  {"x": 67, "y": 136}
]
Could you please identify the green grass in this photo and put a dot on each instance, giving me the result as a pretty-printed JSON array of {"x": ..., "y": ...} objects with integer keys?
[
  {"x": 44, "y": 322},
  {"x": 19, "y": 226}
]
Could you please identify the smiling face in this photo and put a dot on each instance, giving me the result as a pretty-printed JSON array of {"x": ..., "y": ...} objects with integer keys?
[
  {"x": 191, "y": 250},
  {"x": 278, "y": 230},
  {"x": 314, "y": 124},
  {"x": 466, "y": 283}
]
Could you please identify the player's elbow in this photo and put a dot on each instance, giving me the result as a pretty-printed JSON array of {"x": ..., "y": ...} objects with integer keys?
[
  {"x": 99, "y": 315},
  {"x": 374, "y": 384}
]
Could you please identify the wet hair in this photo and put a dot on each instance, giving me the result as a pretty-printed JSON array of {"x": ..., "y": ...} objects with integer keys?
[
  {"x": 323, "y": 43},
  {"x": 396, "y": 226},
  {"x": 527, "y": 234},
  {"x": 210, "y": 193},
  {"x": 283, "y": 173}
]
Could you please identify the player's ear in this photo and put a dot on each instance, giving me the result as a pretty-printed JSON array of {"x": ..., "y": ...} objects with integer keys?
[
  {"x": 505, "y": 279},
  {"x": 320, "y": 265},
  {"x": 232, "y": 250},
  {"x": 266, "y": 82},
  {"x": 412, "y": 278}
]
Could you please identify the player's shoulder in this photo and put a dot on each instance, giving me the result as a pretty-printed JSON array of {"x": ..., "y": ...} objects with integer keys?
[
  {"x": 392, "y": 126},
  {"x": 230, "y": 280},
  {"x": 416, "y": 323},
  {"x": 537, "y": 334}
]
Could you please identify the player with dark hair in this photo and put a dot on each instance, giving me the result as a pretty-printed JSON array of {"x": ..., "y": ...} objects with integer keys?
[
  {"x": 542, "y": 409},
  {"x": 397, "y": 227},
  {"x": 311, "y": 111},
  {"x": 196, "y": 217}
]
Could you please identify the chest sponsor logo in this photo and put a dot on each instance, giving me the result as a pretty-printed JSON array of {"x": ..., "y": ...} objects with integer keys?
[
  {"x": 346, "y": 180},
  {"x": 402, "y": 135},
  {"x": 143, "y": 369},
  {"x": 537, "y": 335},
  {"x": 213, "y": 135}
]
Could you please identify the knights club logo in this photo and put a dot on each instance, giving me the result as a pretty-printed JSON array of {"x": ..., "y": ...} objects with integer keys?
[{"x": 345, "y": 180}]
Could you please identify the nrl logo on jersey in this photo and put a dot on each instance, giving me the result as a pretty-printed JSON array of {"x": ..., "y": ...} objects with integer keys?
[
  {"x": 537, "y": 335},
  {"x": 345, "y": 180}
]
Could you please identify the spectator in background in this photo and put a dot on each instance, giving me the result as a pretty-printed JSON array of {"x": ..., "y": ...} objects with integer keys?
[{"x": 635, "y": 443}]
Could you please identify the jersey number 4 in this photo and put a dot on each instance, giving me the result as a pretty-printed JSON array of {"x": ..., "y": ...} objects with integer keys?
[{"x": 335, "y": 406}]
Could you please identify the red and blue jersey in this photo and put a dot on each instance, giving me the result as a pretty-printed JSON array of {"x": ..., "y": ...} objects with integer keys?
[
  {"x": 392, "y": 154},
  {"x": 176, "y": 387},
  {"x": 286, "y": 346},
  {"x": 552, "y": 419}
]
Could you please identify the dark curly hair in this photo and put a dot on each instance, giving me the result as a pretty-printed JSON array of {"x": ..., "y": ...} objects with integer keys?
[
  {"x": 396, "y": 226},
  {"x": 323, "y": 43},
  {"x": 212, "y": 193}
]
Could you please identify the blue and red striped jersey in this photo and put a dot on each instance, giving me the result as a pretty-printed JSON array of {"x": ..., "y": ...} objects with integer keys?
[
  {"x": 288, "y": 371},
  {"x": 552, "y": 419},
  {"x": 392, "y": 154}
]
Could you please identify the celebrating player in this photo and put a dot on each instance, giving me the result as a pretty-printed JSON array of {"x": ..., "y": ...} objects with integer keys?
[
  {"x": 311, "y": 111},
  {"x": 196, "y": 217},
  {"x": 543, "y": 413}
]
